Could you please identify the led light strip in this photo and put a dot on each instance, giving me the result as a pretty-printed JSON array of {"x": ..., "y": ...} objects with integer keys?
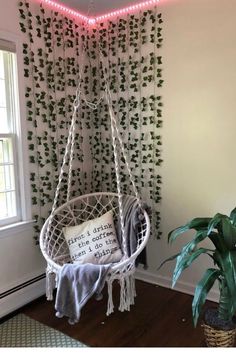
[
  {"x": 126, "y": 10},
  {"x": 65, "y": 9},
  {"x": 93, "y": 20}
]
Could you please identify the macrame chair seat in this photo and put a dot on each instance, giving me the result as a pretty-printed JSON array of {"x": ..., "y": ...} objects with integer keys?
[{"x": 76, "y": 211}]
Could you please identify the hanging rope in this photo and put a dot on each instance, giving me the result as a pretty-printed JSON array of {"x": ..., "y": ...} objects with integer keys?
[
  {"x": 52, "y": 241},
  {"x": 116, "y": 141},
  {"x": 69, "y": 151}
]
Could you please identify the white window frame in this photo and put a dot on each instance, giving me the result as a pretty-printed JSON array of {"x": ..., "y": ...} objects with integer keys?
[
  {"x": 19, "y": 139},
  {"x": 17, "y": 217}
]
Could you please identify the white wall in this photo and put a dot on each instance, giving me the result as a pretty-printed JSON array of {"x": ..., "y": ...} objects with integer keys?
[
  {"x": 20, "y": 259},
  {"x": 199, "y": 133}
]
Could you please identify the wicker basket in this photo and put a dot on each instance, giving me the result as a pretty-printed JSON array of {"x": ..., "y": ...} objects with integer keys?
[{"x": 219, "y": 338}]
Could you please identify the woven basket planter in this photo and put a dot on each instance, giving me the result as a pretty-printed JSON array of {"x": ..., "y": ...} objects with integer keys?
[{"x": 219, "y": 338}]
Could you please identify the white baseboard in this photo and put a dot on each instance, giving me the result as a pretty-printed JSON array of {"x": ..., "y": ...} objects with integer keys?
[
  {"x": 20, "y": 280},
  {"x": 21, "y": 297},
  {"x": 181, "y": 286}
]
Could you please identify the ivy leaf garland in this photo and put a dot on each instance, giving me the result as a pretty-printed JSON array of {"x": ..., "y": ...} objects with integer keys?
[{"x": 52, "y": 55}]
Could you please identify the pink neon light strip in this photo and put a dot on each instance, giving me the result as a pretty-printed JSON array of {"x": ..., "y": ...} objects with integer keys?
[
  {"x": 93, "y": 20},
  {"x": 126, "y": 10},
  {"x": 65, "y": 9}
]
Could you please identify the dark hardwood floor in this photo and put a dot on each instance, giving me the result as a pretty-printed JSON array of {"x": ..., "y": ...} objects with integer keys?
[{"x": 160, "y": 318}]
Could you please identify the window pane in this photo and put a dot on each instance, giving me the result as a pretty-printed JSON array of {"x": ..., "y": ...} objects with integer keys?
[
  {"x": 9, "y": 202},
  {"x": 7, "y": 205},
  {"x": 7, "y": 178},
  {"x": 4, "y": 127},
  {"x": 3, "y": 206},
  {"x": 6, "y": 151},
  {"x": 1, "y": 65},
  {"x": 3, "y": 119},
  {"x": 2, "y": 93},
  {"x": 2, "y": 179}
]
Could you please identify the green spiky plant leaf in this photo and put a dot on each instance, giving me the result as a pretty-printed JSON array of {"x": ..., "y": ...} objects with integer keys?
[
  {"x": 201, "y": 291},
  {"x": 221, "y": 232}
]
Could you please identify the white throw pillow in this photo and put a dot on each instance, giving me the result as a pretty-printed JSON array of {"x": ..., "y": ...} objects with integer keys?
[{"x": 94, "y": 241}]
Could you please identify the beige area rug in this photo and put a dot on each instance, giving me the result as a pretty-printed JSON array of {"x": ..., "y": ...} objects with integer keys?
[{"x": 22, "y": 331}]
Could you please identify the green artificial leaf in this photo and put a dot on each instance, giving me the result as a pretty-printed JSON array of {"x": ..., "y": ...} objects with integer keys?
[
  {"x": 215, "y": 222},
  {"x": 227, "y": 262},
  {"x": 229, "y": 233},
  {"x": 196, "y": 224},
  {"x": 218, "y": 241},
  {"x": 201, "y": 291},
  {"x": 168, "y": 260},
  {"x": 185, "y": 259},
  {"x": 226, "y": 232},
  {"x": 233, "y": 216}
]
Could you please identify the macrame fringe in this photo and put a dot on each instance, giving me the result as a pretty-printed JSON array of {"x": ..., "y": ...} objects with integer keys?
[
  {"x": 127, "y": 293},
  {"x": 50, "y": 284},
  {"x": 127, "y": 290},
  {"x": 110, "y": 305},
  {"x": 133, "y": 288}
]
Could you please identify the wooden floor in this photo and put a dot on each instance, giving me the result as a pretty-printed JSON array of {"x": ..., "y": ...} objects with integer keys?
[{"x": 160, "y": 318}]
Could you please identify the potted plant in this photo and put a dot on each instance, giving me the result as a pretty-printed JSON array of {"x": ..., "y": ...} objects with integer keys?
[{"x": 219, "y": 324}]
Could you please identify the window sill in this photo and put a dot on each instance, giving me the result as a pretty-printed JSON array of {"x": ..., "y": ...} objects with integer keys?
[{"x": 15, "y": 228}]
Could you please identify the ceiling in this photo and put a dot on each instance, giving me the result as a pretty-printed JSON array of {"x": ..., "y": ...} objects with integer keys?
[{"x": 99, "y": 6}]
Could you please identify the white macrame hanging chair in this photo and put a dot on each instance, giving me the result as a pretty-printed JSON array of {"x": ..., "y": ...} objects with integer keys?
[{"x": 87, "y": 207}]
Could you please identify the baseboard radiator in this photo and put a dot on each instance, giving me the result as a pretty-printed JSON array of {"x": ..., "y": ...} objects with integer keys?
[{"x": 18, "y": 296}]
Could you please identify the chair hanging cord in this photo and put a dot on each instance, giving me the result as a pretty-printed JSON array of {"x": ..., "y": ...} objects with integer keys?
[
  {"x": 71, "y": 137},
  {"x": 90, "y": 8},
  {"x": 118, "y": 133},
  {"x": 116, "y": 136},
  {"x": 118, "y": 180},
  {"x": 76, "y": 105},
  {"x": 68, "y": 150}
]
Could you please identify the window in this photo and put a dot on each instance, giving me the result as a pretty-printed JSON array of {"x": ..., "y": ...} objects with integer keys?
[{"x": 10, "y": 204}]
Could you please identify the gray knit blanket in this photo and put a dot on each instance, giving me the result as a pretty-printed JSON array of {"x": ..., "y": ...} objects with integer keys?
[
  {"x": 77, "y": 283},
  {"x": 132, "y": 217}
]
